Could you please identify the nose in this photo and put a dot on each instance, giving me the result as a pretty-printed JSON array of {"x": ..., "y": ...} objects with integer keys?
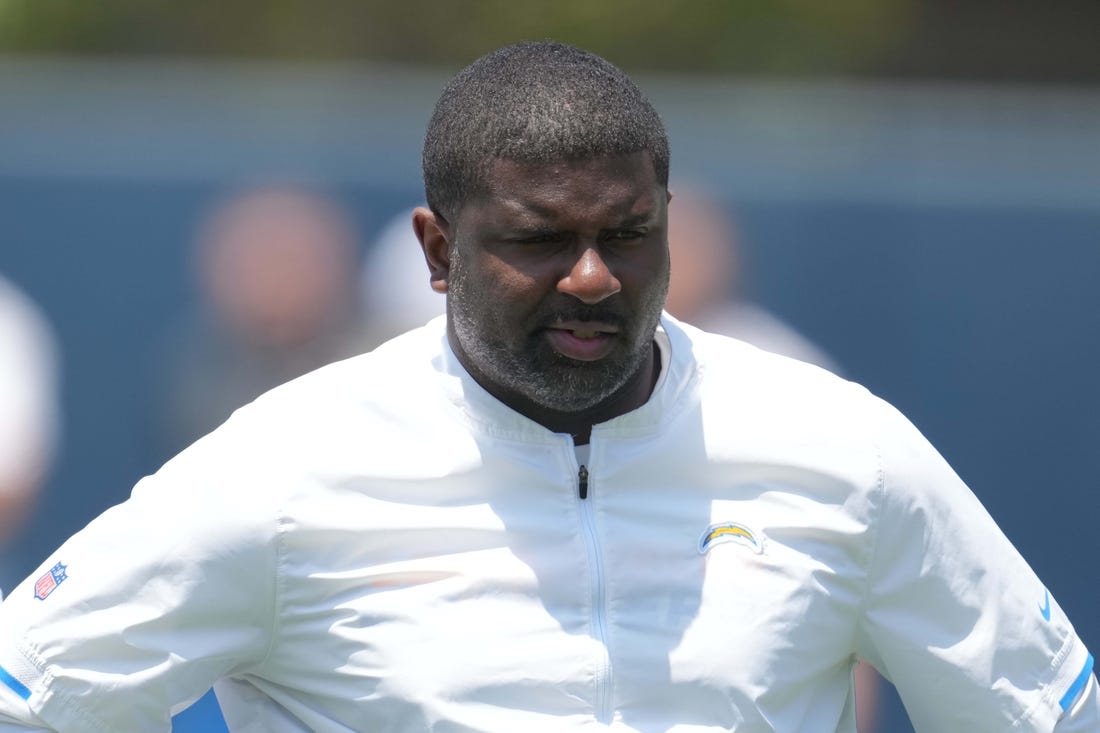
[{"x": 590, "y": 280}]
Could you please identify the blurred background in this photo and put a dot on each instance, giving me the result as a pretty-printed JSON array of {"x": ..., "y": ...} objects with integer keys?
[{"x": 200, "y": 200}]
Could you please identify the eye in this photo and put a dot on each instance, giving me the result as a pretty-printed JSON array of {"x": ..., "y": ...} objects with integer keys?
[
  {"x": 538, "y": 238},
  {"x": 623, "y": 235}
]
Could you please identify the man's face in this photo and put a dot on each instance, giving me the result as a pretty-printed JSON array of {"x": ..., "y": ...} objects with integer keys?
[{"x": 557, "y": 279}]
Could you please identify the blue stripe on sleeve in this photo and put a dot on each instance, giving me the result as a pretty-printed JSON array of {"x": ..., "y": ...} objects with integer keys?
[
  {"x": 1074, "y": 689},
  {"x": 19, "y": 687}
]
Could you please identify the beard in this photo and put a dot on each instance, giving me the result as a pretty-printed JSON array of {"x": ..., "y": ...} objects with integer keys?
[{"x": 513, "y": 355}]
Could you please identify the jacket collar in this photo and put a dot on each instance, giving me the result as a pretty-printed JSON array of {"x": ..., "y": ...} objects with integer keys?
[{"x": 679, "y": 372}]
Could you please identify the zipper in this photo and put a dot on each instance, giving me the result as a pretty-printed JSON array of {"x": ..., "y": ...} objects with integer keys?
[{"x": 602, "y": 678}]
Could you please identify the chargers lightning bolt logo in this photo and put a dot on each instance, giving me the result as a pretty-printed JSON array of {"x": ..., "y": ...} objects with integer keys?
[{"x": 730, "y": 532}]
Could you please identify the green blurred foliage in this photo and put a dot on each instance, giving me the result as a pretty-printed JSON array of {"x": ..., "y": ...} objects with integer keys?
[{"x": 981, "y": 38}]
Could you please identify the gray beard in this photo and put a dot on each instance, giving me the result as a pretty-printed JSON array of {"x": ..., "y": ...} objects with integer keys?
[
  {"x": 534, "y": 370},
  {"x": 541, "y": 375}
]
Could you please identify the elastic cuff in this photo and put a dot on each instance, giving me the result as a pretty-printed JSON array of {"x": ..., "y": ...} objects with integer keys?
[{"x": 1078, "y": 685}]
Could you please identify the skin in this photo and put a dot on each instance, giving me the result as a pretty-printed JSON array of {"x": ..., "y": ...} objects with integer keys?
[{"x": 555, "y": 280}]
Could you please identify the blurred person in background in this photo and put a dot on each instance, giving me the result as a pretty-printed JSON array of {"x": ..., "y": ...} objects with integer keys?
[
  {"x": 394, "y": 282},
  {"x": 706, "y": 288},
  {"x": 28, "y": 411},
  {"x": 276, "y": 269}
]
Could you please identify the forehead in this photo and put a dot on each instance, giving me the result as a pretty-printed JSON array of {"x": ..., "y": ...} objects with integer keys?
[{"x": 620, "y": 185}]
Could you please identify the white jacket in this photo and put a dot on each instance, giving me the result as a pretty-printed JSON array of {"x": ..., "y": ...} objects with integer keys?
[{"x": 382, "y": 546}]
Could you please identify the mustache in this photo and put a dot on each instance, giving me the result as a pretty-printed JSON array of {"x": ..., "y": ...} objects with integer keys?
[{"x": 599, "y": 312}]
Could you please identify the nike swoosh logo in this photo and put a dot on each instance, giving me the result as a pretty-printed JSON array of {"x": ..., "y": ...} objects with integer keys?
[{"x": 1045, "y": 608}]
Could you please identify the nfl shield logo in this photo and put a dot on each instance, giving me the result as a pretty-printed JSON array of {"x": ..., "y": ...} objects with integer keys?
[{"x": 46, "y": 585}]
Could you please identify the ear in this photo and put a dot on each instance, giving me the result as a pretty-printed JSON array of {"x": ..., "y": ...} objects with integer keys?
[{"x": 434, "y": 234}]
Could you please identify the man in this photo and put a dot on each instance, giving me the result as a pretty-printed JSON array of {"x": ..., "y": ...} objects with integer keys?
[{"x": 559, "y": 510}]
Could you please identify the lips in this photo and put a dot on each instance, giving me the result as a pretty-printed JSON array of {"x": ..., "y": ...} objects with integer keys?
[{"x": 582, "y": 341}]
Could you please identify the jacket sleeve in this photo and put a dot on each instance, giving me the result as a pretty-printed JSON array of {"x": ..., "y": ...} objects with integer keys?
[
  {"x": 953, "y": 615},
  {"x": 1083, "y": 715},
  {"x": 135, "y": 616}
]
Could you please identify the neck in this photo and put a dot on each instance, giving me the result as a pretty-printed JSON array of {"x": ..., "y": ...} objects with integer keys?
[{"x": 632, "y": 395}]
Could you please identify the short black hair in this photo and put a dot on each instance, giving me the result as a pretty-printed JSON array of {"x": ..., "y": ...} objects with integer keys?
[{"x": 534, "y": 102}]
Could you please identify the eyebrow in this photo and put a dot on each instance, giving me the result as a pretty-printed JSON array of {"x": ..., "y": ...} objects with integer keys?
[
  {"x": 533, "y": 216},
  {"x": 535, "y": 229},
  {"x": 637, "y": 219},
  {"x": 532, "y": 230}
]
